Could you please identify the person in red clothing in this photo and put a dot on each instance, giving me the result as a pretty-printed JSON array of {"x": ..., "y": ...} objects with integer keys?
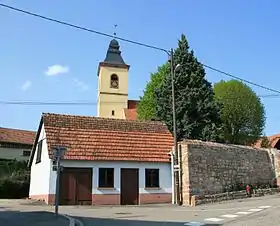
[{"x": 248, "y": 190}]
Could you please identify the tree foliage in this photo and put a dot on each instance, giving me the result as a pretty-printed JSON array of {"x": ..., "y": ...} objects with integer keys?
[
  {"x": 265, "y": 143},
  {"x": 146, "y": 109},
  {"x": 197, "y": 113},
  {"x": 14, "y": 179},
  {"x": 243, "y": 115}
]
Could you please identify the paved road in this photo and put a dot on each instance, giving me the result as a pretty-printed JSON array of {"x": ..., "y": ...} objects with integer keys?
[
  {"x": 247, "y": 212},
  {"x": 35, "y": 218},
  {"x": 269, "y": 217}
]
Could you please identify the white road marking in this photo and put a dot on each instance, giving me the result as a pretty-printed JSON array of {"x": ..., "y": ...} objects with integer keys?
[
  {"x": 229, "y": 216},
  {"x": 264, "y": 207},
  {"x": 255, "y": 210},
  {"x": 194, "y": 224},
  {"x": 243, "y": 213},
  {"x": 72, "y": 221},
  {"x": 213, "y": 219}
]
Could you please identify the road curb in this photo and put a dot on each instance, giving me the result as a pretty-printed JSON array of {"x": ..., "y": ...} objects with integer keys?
[{"x": 73, "y": 221}]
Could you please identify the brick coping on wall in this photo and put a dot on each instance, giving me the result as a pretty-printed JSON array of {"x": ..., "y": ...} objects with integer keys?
[{"x": 198, "y": 200}]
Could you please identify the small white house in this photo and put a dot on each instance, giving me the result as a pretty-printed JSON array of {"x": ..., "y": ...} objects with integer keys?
[
  {"x": 108, "y": 161},
  {"x": 16, "y": 143}
]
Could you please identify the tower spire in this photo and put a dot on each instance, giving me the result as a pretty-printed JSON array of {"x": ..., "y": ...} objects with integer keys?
[{"x": 113, "y": 55}]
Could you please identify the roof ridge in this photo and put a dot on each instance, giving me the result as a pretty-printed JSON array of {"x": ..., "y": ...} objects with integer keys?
[
  {"x": 107, "y": 119},
  {"x": 24, "y": 130}
]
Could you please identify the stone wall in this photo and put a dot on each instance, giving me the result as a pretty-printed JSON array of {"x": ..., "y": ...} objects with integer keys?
[{"x": 211, "y": 168}]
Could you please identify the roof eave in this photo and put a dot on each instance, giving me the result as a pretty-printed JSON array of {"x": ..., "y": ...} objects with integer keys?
[{"x": 35, "y": 143}]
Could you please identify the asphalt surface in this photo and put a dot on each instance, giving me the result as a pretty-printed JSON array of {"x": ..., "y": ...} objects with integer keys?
[
  {"x": 35, "y": 218},
  {"x": 247, "y": 212},
  {"x": 250, "y": 212}
]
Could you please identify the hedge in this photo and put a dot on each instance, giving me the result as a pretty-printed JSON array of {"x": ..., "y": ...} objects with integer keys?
[{"x": 14, "y": 179}]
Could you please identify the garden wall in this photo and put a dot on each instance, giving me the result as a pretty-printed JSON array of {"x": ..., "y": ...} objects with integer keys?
[{"x": 210, "y": 168}]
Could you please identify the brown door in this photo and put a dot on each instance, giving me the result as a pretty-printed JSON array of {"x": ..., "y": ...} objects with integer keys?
[
  {"x": 75, "y": 186},
  {"x": 83, "y": 187},
  {"x": 67, "y": 188},
  {"x": 129, "y": 186}
]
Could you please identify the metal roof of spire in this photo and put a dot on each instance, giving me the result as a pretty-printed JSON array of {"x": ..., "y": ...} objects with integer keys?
[{"x": 113, "y": 55}]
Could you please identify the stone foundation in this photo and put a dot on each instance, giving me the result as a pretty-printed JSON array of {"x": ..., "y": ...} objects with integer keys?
[{"x": 198, "y": 200}]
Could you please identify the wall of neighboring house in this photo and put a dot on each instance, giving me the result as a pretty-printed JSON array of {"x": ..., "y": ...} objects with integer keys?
[
  {"x": 14, "y": 151},
  {"x": 40, "y": 173},
  {"x": 163, "y": 194}
]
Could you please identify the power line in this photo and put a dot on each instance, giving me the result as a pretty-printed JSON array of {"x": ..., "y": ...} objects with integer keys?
[
  {"x": 129, "y": 41},
  {"x": 241, "y": 79},
  {"x": 78, "y": 103},
  {"x": 81, "y": 28}
]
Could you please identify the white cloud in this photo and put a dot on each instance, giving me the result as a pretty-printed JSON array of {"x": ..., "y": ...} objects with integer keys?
[
  {"x": 81, "y": 84},
  {"x": 26, "y": 85},
  {"x": 56, "y": 70}
]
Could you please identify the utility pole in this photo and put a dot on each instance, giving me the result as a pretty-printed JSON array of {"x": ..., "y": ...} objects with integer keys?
[
  {"x": 58, "y": 154},
  {"x": 176, "y": 171}
]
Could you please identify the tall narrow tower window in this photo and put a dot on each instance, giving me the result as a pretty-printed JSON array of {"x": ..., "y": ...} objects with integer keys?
[{"x": 114, "y": 81}]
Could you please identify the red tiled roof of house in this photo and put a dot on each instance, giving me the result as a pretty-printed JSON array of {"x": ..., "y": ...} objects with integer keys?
[
  {"x": 92, "y": 138},
  {"x": 130, "y": 114},
  {"x": 272, "y": 140},
  {"x": 17, "y": 136}
]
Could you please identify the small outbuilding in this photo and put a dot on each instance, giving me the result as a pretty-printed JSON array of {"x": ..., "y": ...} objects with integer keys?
[{"x": 108, "y": 161}]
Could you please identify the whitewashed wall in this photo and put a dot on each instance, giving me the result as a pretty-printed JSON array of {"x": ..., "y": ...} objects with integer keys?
[
  {"x": 164, "y": 171},
  {"x": 40, "y": 172}
]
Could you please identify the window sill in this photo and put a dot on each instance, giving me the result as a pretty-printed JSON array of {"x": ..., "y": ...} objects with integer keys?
[
  {"x": 152, "y": 188},
  {"x": 106, "y": 188}
]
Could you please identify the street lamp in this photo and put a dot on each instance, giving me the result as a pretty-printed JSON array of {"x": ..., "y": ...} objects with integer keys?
[{"x": 176, "y": 68}]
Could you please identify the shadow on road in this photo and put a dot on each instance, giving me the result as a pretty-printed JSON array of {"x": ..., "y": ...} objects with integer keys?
[
  {"x": 88, "y": 221},
  {"x": 40, "y": 218}
]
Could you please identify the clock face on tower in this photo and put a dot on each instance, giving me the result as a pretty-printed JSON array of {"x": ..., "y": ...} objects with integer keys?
[{"x": 114, "y": 81}]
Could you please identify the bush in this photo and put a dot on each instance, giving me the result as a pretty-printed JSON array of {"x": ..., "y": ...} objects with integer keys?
[{"x": 14, "y": 179}]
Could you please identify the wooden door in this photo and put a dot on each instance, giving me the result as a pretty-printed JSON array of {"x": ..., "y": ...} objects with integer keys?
[
  {"x": 67, "y": 191},
  {"x": 84, "y": 187},
  {"x": 129, "y": 186},
  {"x": 76, "y": 186}
]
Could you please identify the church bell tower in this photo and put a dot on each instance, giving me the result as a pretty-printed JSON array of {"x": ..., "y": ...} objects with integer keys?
[{"x": 112, "y": 84}]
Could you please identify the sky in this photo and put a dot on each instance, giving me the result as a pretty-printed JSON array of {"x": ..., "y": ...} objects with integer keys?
[{"x": 44, "y": 61}]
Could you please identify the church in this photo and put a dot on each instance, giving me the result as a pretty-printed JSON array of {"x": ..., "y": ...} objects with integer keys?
[
  {"x": 110, "y": 159},
  {"x": 112, "y": 94}
]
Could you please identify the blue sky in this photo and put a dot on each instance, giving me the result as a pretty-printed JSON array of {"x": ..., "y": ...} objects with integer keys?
[{"x": 240, "y": 37}]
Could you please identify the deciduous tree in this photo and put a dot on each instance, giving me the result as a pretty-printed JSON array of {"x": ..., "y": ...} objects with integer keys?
[
  {"x": 243, "y": 114},
  {"x": 146, "y": 109}
]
